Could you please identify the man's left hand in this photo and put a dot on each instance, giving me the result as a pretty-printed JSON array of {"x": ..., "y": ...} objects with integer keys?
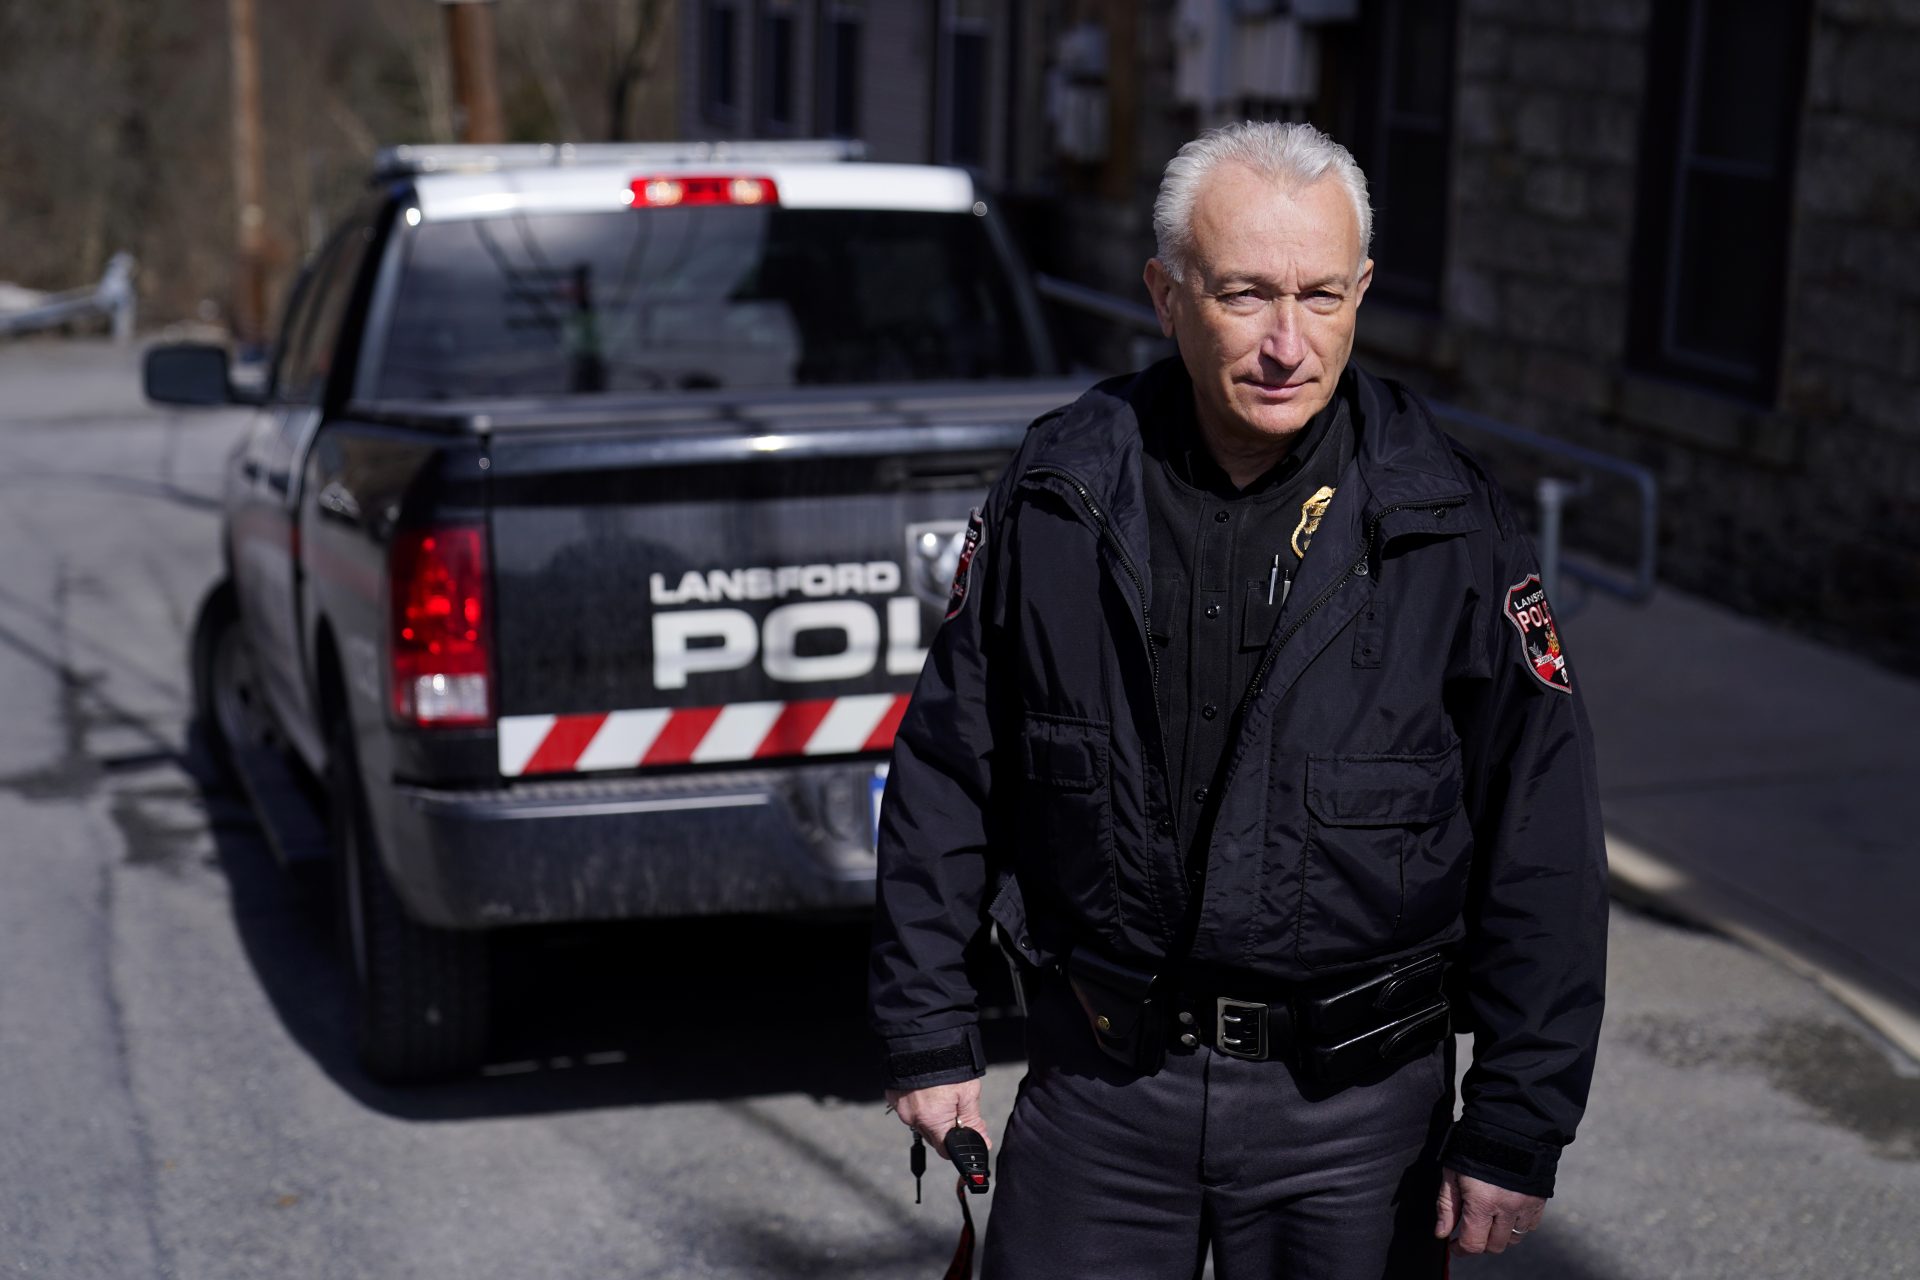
[{"x": 1481, "y": 1217}]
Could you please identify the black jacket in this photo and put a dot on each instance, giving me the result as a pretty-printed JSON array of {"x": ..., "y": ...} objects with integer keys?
[{"x": 1414, "y": 768}]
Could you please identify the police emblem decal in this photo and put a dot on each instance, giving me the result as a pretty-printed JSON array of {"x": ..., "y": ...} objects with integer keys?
[
  {"x": 1312, "y": 512},
  {"x": 1528, "y": 611},
  {"x": 963, "y": 571}
]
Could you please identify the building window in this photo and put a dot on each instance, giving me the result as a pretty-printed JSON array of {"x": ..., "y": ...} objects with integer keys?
[
  {"x": 1710, "y": 244},
  {"x": 717, "y": 44},
  {"x": 1406, "y": 143},
  {"x": 963, "y": 79},
  {"x": 775, "y": 97},
  {"x": 837, "y": 33}
]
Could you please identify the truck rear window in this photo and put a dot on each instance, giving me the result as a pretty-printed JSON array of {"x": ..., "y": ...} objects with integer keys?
[{"x": 698, "y": 298}]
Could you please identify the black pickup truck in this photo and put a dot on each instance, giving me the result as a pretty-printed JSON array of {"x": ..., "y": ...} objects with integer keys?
[{"x": 585, "y": 544}]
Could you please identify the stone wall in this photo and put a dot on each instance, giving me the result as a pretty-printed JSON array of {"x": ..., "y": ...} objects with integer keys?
[{"x": 1806, "y": 511}]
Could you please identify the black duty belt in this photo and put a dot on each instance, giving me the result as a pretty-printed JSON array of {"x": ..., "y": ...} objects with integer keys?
[
  {"x": 1249, "y": 1029},
  {"x": 1334, "y": 1032}
]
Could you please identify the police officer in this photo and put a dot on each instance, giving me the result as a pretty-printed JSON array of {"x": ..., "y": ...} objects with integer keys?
[{"x": 1250, "y": 728}]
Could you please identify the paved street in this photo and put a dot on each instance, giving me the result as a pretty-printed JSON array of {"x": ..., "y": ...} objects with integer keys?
[{"x": 176, "y": 1095}]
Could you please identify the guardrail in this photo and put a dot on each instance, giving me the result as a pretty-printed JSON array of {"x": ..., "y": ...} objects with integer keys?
[
  {"x": 1551, "y": 495},
  {"x": 113, "y": 298}
]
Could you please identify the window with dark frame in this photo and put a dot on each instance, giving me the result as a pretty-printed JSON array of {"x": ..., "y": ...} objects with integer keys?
[
  {"x": 1405, "y": 144},
  {"x": 308, "y": 362},
  {"x": 964, "y": 71},
  {"x": 837, "y": 39},
  {"x": 718, "y": 33},
  {"x": 775, "y": 51},
  {"x": 1716, "y": 181}
]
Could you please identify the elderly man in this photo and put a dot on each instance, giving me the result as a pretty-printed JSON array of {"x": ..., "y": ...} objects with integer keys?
[{"x": 1250, "y": 729}]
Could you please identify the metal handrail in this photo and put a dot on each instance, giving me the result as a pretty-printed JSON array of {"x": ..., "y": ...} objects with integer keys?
[
  {"x": 1551, "y": 493},
  {"x": 1105, "y": 305},
  {"x": 113, "y": 297}
]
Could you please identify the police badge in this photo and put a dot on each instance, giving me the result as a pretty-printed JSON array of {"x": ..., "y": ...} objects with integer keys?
[
  {"x": 1532, "y": 617},
  {"x": 1312, "y": 512}
]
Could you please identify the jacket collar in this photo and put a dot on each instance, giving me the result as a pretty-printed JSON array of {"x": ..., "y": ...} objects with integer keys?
[{"x": 1401, "y": 457}]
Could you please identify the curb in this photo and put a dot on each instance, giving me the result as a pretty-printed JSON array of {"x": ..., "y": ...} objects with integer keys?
[{"x": 1642, "y": 879}]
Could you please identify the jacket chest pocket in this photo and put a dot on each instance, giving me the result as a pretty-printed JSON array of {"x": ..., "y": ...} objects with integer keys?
[
  {"x": 1384, "y": 864},
  {"x": 1066, "y": 820}
]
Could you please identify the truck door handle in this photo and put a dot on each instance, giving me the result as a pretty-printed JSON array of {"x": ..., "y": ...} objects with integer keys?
[{"x": 250, "y": 469}]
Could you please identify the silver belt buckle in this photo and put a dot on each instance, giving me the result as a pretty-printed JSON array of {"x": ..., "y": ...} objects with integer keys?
[{"x": 1240, "y": 1029}]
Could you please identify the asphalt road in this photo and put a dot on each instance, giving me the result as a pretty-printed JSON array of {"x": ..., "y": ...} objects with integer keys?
[{"x": 176, "y": 1096}]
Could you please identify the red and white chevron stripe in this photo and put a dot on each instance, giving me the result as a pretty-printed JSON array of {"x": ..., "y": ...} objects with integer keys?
[{"x": 698, "y": 735}]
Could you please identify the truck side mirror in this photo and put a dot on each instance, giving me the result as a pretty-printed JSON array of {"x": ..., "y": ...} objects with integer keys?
[{"x": 188, "y": 373}]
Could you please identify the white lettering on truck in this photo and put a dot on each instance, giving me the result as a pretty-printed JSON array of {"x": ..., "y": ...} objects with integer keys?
[
  {"x": 692, "y": 641},
  {"x": 674, "y": 659},
  {"x": 856, "y": 621},
  {"x": 873, "y": 578}
]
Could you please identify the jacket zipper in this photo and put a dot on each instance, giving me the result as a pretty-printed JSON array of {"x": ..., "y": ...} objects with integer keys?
[
  {"x": 1356, "y": 569},
  {"x": 1273, "y": 650},
  {"x": 1146, "y": 621}
]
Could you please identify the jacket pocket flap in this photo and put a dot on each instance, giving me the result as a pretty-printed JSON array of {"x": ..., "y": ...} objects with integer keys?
[
  {"x": 1065, "y": 753},
  {"x": 1383, "y": 791}
]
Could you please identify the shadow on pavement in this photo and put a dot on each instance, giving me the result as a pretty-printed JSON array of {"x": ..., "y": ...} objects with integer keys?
[
  {"x": 584, "y": 1016},
  {"x": 1546, "y": 1257},
  {"x": 591, "y": 1017}
]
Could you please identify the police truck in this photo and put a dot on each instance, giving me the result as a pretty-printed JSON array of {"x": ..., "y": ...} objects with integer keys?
[{"x": 587, "y": 537}]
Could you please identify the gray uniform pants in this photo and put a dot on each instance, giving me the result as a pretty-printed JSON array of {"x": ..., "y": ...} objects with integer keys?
[{"x": 1104, "y": 1173}]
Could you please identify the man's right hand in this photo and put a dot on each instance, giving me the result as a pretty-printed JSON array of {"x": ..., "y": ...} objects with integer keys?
[{"x": 937, "y": 1109}]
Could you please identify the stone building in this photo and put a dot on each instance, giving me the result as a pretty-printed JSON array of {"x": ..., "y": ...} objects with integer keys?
[
  {"x": 1684, "y": 232},
  {"x": 941, "y": 81}
]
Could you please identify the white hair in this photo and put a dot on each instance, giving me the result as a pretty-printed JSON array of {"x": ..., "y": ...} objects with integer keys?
[{"x": 1295, "y": 155}]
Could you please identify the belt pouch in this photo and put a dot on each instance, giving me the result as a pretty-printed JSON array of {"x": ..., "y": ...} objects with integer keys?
[
  {"x": 1380, "y": 1020},
  {"x": 1330, "y": 1016},
  {"x": 1375, "y": 1051},
  {"x": 1128, "y": 1023}
]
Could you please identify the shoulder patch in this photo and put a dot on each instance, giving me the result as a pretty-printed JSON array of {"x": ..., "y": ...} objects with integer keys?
[
  {"x": 1527, "y": 609},
  {"x": 963, "y": 570}
]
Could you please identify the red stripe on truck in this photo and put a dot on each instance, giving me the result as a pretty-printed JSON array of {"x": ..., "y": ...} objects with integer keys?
[
  {"x": 882, "y": 735},
  {"x": 677, "y": 741},
  {"x": 796, "y": 724},
  {"x": 569, "y": 736},
  {"x": 820, "y": 728}
]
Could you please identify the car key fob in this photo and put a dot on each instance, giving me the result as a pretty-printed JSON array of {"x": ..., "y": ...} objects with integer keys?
[{"x": 968, "y": 1151}]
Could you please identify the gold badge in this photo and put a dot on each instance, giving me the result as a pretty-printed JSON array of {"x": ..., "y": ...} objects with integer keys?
[{"x": 1312, "y": 511}]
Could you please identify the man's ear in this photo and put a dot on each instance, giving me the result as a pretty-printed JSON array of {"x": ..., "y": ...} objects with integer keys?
[
  {"x": 1360, "y": 285},
  {"x": 1160, "y": 286}
]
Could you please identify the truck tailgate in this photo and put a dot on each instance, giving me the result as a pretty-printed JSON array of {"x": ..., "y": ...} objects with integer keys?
[{"x": 757, "y": 587}]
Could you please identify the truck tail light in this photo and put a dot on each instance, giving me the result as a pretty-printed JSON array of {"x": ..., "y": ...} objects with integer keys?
[
  {"x": 440, "y": 626},
  {"x": 669, "y": 190}
]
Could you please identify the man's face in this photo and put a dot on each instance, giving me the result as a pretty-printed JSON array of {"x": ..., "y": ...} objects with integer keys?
[{"x": 1264, "y": 319}]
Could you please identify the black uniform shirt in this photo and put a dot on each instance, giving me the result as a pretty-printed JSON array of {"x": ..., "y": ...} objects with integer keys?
[{"x": 1212, "y": 549}]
